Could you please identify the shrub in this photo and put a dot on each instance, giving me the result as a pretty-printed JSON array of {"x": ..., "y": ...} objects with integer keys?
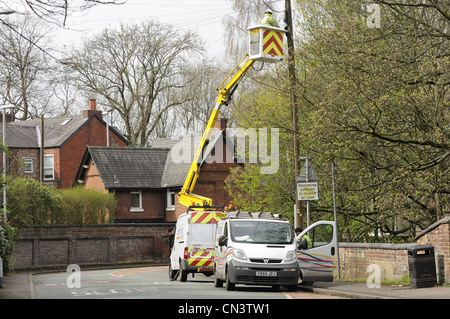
[
  {"x": 29, "y": 202},
  {"x": 80, "y": 205},
  {"x": 7, "y": 236},
  {"x": 32, "y": 203}
]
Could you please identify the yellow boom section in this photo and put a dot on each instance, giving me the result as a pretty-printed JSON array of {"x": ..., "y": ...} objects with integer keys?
[{"x": 185, "y": 196}]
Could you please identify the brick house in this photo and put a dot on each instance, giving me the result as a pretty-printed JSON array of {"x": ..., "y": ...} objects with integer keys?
[
  {"x": 146, "y": 181},
  {"x": 64, "y": 141}
]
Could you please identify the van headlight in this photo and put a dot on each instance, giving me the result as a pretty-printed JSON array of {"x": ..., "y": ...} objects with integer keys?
[
  {"x": 239, "y": 253},
  {"x": 291, "y": 255}
]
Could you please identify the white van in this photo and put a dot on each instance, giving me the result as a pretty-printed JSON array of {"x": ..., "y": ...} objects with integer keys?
[
  {"x": 255, "y": 249},
  {"x": 193, "y": 244}
]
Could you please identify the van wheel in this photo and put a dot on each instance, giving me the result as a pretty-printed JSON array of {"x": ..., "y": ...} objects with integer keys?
[
  {"x": 306, "y": 283},
  {"x": 291, "y": 288},
  {"x": 183, "y": 275},
  {"x": 229, "y": 285},
  {"x": 172, "y": 273}
]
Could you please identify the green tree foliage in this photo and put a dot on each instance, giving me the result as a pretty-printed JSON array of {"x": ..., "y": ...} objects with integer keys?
[
  {"x": 85, "y": 206},
  {"x": 7, "y": 236},
  {"x": 32, "y": 203},
  {"x": 29, "y": 202},
  {"x": 373, "y": 99}
]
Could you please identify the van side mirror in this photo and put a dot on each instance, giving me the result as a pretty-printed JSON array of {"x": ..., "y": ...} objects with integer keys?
[
  {"x": 223, "y": 240},
  {"x": 169, "y": 241},
  {"x": 303, "y": 244}
]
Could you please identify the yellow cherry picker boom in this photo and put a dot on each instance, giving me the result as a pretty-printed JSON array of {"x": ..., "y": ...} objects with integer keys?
[
  {"x": 193, "y": 246},
  {"x": 199, "y": 244},
  {"x": 266, "y": 45},
  {"x": 186, "y": 197}
]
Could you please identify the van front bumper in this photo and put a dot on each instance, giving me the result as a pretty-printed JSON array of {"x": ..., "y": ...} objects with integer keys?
[{"x": 263, "y": 274}]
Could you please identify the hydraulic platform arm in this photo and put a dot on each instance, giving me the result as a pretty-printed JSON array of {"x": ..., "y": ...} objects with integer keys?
[{"x": 186, "y": 197}]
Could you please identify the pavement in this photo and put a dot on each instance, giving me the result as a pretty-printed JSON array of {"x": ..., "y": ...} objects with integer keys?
[
  {"x": 19, "y": 285},
  {"x": 360, "y": 290}
]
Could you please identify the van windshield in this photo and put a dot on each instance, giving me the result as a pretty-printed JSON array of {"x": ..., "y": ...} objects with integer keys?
[{"x": 261, "y": 232}]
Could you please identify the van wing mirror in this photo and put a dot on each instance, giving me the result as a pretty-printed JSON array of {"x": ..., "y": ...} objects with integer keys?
[
  {"x": 223, "y": 240},
  {"x": 302, "y": 244},
  {"x": 169, "y": 241}
]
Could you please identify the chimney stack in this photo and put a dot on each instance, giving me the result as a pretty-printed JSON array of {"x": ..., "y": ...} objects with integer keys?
[
  {"x": 92, "y": 104},
  {"x": 92, "y": 110},
  {"x": 221, "y": 124}
]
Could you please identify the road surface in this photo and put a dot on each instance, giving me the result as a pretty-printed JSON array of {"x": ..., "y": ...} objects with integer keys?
[{"x": 146, "y": 283}]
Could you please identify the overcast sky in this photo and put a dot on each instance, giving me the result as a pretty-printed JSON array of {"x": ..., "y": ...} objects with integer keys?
[{"x": 204, "y": 16}]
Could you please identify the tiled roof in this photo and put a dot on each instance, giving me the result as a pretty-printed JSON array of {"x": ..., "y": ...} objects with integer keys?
[
  {"x": 164, "y": 165},
  {"x": 21, "y": 136},
  {"x": 127, "y": 167},
  {"x": 57, "y": 131},
  {"x": 182, "y": 152}
]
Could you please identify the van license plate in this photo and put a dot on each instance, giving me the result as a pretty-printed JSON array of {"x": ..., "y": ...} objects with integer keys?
[{"x": 266, "y": 273}]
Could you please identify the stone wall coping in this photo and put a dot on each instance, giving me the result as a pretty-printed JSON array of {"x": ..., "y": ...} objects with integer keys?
[
  {"x": 377, "y": 246},
  {"x": 103, "y": 225},
  {"x": 445, "y": 220}
]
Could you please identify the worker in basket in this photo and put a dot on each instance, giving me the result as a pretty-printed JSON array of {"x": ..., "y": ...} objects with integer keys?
[{"x": 269, "y": 20}]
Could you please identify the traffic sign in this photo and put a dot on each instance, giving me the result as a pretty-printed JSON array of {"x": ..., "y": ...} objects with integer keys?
[
  {"x": 307, "y": 191},
  {"x": 307, "y": 176}
]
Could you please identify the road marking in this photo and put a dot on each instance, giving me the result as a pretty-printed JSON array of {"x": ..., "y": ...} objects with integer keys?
[
  {"x": 132, "y": 271},
  {"x": 84, "y": 283}
]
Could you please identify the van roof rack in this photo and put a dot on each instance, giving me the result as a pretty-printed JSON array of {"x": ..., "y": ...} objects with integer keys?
[
  {"x": 205, "y": 208},
  {"x": 247, "y": 214}
]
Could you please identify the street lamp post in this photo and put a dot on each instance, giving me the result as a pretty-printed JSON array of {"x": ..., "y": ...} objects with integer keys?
[
  {"x": 105, "y": 113},
  {"x": 4, "y": 108}
]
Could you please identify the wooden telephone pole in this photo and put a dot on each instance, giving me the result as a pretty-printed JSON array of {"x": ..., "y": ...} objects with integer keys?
[{"x": 294, "y": 107}]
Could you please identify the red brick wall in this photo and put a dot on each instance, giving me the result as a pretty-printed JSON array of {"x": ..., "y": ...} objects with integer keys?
[
  {"x": 15, "y": 162},
  {"x": 56, "y": 152},
  {"x": 94, "y": 244},
  {"x": 153, "y": 205},
  {"x": 93, "y": 134},
  {"x": 172, "y": 216},
  {"x": 153, "y": 201},
  {"x": 439, "y": 238},
  {"x": 393, "y": 258},
  {"x": 354, "y": 258},
  {"x": 92, "y": 178},
  {"x": 211, "y": 184}
]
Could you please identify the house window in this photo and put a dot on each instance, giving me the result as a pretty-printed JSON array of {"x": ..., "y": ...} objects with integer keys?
[
  {"x": 49, "y": 167},
  {"x": 136, "y": 201},
  {"x": 28, "y": 165},
  {"x": 170, "y": 200}
]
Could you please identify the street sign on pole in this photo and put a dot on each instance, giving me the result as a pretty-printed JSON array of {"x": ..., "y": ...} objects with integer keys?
[
  {"x": 307, "y": 191},
  {"x": 309, "y": 175},
  {"x": 307, "y": 188}
]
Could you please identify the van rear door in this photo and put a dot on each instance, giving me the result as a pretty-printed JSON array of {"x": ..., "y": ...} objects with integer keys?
[
  {"x": 317, "y": 260},
  {"x": 201, "y": 238}
]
